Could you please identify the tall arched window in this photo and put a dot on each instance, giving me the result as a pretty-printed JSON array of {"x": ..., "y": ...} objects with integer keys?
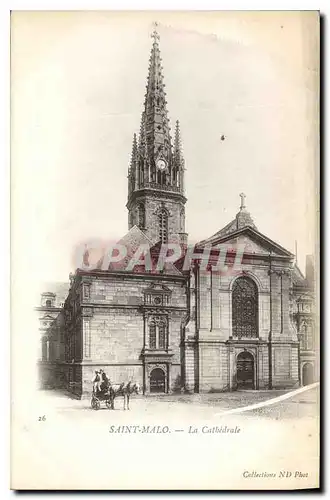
[
  {"x": 158, "y": 327},
  {"x": 245, "y": 308},
  {"x": 141, "y": 216},
  {"x": 163, "y": 226}
]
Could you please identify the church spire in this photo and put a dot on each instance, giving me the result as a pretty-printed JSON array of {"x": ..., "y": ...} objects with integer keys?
[
  {"x": 156, "y": 191},
  {"x": 158, "y": 168},
  {"x": 155, "y": 128}
]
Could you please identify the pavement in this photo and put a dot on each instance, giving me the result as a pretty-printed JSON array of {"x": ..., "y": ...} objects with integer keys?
[
  {"x": 241, "y": 440},
  {"x": 303, "y": 404}
]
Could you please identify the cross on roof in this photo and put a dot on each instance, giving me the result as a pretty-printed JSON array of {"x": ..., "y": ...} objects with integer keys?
[
  {"x": 243, "y": 196},
  {"x": 155, "y": 34}
]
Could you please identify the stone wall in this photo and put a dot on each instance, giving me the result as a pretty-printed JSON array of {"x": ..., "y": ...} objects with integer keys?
[{"x": 115, "y": 326}]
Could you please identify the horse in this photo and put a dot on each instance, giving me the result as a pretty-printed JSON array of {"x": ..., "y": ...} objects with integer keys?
[{"x": 123, "y": 389}]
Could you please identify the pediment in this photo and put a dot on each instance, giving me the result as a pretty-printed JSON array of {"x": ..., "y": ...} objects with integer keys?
[
  {"x": 157, "y": 288},
  {"x": 252, "y": 242}
]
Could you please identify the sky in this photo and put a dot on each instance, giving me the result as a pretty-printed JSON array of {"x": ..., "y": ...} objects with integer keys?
[{"x": 78, "y": 82}]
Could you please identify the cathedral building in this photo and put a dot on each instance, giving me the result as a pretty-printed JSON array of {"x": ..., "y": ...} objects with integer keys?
[{"x": 239, "y": 316}]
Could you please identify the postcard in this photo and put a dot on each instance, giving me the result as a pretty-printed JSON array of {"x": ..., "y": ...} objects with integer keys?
[{"x": 165, "y": 250}]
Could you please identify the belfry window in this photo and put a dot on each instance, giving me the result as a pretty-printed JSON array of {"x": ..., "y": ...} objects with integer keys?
[
  {"x": 163, "y": 226},
  {"x": 245, "y": 308},
  {"x": 158, "y": 328}
]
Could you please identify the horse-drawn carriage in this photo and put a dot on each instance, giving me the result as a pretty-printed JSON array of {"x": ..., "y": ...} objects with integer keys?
[
  {"x": 104, "y": 396},
  {"x": 108, "y": 394}
]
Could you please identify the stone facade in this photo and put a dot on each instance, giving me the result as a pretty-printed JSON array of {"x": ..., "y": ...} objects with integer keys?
[
  {"x": 107, "y": 317},
  {"x": 273, "y": 347}
]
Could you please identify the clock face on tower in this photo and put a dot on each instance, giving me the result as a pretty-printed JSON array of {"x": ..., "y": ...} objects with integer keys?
[{"x": 161, "y": 164}]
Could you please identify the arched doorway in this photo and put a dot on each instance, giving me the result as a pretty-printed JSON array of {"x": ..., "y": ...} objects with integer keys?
[
  {"x": 245, "y": 370},
  {"x": 157, "y": 380},
  {"x": 308, "y": 374}
]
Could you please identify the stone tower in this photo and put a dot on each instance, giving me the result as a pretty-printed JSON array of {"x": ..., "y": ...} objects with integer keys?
[{"x": 156, "y": 201}]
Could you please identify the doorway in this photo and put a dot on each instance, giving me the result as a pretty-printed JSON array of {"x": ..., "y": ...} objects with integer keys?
[
  {"x": 157, "y": 380},
  {"x": 245, "y": 371},
  {"x": 307, "y": 374}
]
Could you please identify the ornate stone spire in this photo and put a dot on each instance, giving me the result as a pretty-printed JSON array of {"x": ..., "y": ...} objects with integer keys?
[
  {"x": 155, "y": 120},
  {"x": 156, "y": 174},
  {"x": 159, "y": 167}
]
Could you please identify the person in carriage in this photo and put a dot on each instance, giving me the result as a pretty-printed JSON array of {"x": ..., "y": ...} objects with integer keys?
[
  {"x": 97, "y": 381},
  {"x": 105, "y": 382}
]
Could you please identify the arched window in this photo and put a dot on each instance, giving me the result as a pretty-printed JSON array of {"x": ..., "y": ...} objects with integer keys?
[
  {"x": 163, "y": 226},
  {"x": 141, "y": 216},
  {"x": 245, "y": 308},
  {"x": 158, "y": 332},
  {"x": 48, "y": 303}
]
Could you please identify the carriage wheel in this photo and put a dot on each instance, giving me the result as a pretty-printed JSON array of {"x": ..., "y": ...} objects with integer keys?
[
  {"x": 108, "y": 403},
  {"x": 95, "y": 404}
]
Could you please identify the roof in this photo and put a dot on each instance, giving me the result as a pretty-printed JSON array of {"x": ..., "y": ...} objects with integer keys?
[
  {"x": 134, "y": 239},
  {"x": 271, "y": 245}
]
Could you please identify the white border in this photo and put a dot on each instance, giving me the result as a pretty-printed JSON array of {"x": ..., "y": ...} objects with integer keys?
[{"x": 5, "y": 7}]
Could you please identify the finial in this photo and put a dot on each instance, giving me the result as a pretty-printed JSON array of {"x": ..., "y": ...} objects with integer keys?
[
  {"x": 243, "y": 196},
  {"x": 155, "y": 34},
  {"x": 177, "y": 139},
  {"x": 134, "y": 149}
]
